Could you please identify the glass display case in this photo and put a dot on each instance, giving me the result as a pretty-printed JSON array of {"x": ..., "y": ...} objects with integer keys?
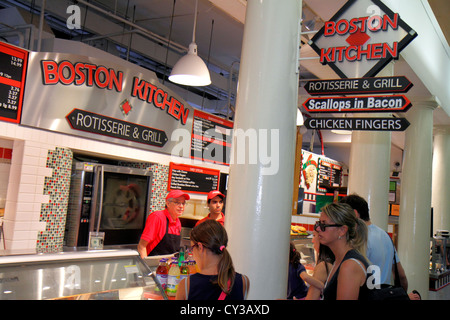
[
  {"x": 305, "y": 246},
  {"x": 116, "y": 274}
]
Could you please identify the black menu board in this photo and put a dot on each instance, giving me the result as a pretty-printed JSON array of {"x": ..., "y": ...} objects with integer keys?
[
  {"x": 13, "y": 65},
  {"x": 192, "y": 179},
  {"x": 211, "y": 138},
  {"x": 329, "y": 175}
]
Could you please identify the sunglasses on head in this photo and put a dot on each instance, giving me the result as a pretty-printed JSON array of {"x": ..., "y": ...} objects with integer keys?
[{"x": 323, "y": 226}]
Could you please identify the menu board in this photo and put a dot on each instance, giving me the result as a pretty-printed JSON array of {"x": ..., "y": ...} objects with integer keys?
[
  {"x": 13, "y": 66},
  {"x": 329, "y": 175},
  {"x": 192, "y": 179},
  {"x": 211, "y": 138}
]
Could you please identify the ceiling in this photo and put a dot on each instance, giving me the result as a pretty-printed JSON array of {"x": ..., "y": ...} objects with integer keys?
[{"x": 149, "y": 27}]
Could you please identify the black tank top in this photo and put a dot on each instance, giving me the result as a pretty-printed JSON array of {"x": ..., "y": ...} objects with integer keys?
[
  {"x": 330, "y": 291},
  {"x": 201, "y": 287}
]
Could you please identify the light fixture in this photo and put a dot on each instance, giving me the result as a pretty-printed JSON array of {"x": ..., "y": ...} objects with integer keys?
[
  {"x": 190, "y": 70},
  {"x": 341, "y": 131}
]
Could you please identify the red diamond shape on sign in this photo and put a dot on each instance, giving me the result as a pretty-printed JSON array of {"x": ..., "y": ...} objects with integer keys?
[
  {"x": 126, "y": 107},
  {"x": 358, "y": 38}
]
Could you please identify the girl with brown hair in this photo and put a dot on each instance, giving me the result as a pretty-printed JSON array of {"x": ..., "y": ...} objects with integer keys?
[{"x": 217, "y": 279}]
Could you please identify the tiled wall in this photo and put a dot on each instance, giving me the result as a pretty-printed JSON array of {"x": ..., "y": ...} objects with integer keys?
[
  {"x": 54, "y": 212},
  {"x": 159, "y": 186}
]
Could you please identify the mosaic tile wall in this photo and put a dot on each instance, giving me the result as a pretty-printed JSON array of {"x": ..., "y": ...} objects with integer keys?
[
  {"x": 54, "y": 212},
  {"x": 159, "y": 186}
]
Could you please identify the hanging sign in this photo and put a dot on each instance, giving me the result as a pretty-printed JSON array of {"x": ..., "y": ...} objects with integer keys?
[
  {"x": 211, "y": 138},
  {"x": 192, "y": 178},
  {"x": 102, "y": 100},
  {"x": 360, "y": 124},
  {"x": 361, "y": 38},
  {"x": 397, "y": 84},
  {"x": 99, "y": 124},
  {"x": 393, "y": 103},
  {"x": 13, "y": 66}
]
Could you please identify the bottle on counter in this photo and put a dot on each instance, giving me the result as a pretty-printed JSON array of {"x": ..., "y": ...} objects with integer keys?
[
  {"x": 181, "y": 256},
  {"x": 184, "y": 270},
  {"x": 162, "y": 273},
  {"x": 173, "y": 279},
  {"x": 192, "y": 266}
]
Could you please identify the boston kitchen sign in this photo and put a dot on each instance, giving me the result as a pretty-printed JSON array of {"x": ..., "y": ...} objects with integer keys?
[
  {"x": 98, "y": 99},
  {"x": 361, "y": 38}
]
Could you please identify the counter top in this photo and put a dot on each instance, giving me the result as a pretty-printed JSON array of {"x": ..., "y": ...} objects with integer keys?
[{"x": 20, "y": 256}]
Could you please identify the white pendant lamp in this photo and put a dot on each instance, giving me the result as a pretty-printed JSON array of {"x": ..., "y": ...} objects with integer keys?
[{"x": 190, "y": 70}]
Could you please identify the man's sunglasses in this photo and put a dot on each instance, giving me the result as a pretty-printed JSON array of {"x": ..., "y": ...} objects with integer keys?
[{"x": 324, "y": 226}]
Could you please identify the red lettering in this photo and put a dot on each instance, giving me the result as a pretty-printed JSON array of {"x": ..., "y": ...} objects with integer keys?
[
  {"x": 325, "y": 55},
  {"x": 152, "y": 89},
  {"x": 138, "y": 89},
  {"x": 98, "y": 79},
  {"x": 169, "y": 103},
  {"x": 71, "y": 72},
  {"x": 393, "y": 23},
  {"x": 329, "y": 28},
  {"x": 376, "y": 51},
  {"x": 340, "y": 53},
  {"x": 353, "y": 25},
  {"x": 184, "y": 114},
  {"x": 363, "y": 23},
  {"x": 374, "y": 27},
  {"x": 90, "y": 69},
  {"x": 159, "y": 103},
  {"x": 362, "y": 52},
  {"x": 115, "y": 81},
  {"x": 392, "y": 51},
  {"x": 50, "y": 74},
  {"x": 80, "y": 74},
  {"x": 339, "y": 24},
  {"x": 347, "y": 53}
]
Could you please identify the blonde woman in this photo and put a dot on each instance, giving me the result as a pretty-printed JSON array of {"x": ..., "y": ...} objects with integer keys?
[{"x": 346, "y": 236}]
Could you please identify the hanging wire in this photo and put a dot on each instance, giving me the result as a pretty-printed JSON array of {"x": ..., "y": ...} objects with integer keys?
[
  {"x": 168, "y": 42},
  {"x": 209, "y": 53}
]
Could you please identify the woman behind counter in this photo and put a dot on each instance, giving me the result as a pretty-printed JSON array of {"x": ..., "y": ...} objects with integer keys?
[{"x": 217, "y": 279}]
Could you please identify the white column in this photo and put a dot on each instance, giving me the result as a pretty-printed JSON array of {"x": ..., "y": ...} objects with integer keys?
[
  {"x": 369, "y": 166},
  {"x": 440, "y": 200},
  {"x": 258, "y": 212},
  {"x": 415, "y": 198}
]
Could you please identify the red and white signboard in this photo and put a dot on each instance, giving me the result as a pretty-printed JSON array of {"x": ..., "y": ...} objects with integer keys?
[{"x": 361, "y": 38}]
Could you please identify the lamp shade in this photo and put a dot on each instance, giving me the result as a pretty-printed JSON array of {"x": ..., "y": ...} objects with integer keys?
[{"x": 190, "y": 70}]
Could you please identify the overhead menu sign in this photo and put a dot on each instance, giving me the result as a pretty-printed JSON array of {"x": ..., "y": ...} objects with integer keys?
[
  {"x": 393, "y": 103},
  {"x": 361, "y": 38},
  {"x": 211, "y": 138},
  {"x": 13, "y": 66},
  {"x": 360, "y": 124},
  {"x": 396, "y": 84},
  {"x": 192, "y": 178}
]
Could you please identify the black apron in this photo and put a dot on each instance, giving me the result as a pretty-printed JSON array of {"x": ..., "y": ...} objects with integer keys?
[{"x": 169, "y": 244}]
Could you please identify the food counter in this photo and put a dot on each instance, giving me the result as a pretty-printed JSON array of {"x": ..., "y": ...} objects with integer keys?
[{"x": 109, "y": 274}]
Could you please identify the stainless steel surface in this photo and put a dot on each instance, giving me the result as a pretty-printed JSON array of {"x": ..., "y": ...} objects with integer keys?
[{"x": 98, "y": 274}]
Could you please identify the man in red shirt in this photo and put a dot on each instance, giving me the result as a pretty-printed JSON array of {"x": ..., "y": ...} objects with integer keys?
[
  {"x": 162, "y": 230},
  {"x": 215, "y": 204}
]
